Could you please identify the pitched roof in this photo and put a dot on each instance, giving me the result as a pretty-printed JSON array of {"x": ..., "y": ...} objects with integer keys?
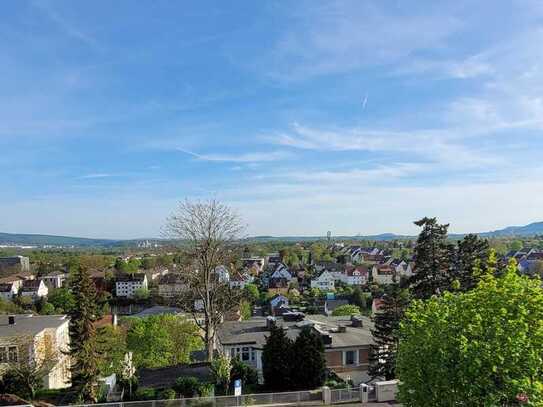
[{"x": 31, "y": 285}]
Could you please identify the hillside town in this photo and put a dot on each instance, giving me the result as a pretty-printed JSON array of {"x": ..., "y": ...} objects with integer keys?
[{"x": 155, "y": 334}]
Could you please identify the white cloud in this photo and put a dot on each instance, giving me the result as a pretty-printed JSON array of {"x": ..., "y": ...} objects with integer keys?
[
  {"x": 255, "y": 157},
  {"x": 342, "y": 36}
]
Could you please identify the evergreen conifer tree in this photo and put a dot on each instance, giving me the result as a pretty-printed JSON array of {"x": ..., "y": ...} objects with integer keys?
[
  {"x": 385, "y": 332},
  {"x": 277, "y": 360},
  {"x": 471, "y": 255},
  {"x": 83, "y": 344},
  {"x": 308, "y": 364},
  {"x": 433, "y": 260}
]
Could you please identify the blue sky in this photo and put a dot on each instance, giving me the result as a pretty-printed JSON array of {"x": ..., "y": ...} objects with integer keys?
[{"x": 305, "y": 116}]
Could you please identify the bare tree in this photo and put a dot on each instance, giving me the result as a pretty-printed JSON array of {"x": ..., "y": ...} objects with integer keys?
[{"x": 210, "y": 232}]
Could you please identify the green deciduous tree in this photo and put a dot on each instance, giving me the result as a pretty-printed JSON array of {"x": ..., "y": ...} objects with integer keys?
[
  {"x": 346, "y": 310},
  {"x": 111, "y": 345},
  {"x": 62, "y": 299},
  {"x": 162, "y": 340},
  {"x": 479, "y": 348},
  {"x": 385, "y": 332},
  {"x": 83, "y": 346},
  {"x": 308, "y": 366}
]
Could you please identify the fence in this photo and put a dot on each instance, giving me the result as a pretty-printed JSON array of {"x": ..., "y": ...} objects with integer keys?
[
  {"x": 314, "y": 397},
  {"x": 257, "y": 399}
]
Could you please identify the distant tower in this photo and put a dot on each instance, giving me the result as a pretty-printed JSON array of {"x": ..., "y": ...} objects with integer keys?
[{"x": 329, "y": 236}]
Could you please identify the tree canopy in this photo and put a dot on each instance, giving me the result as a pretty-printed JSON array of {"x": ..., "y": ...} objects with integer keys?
[{"x": 478, "y": 348}]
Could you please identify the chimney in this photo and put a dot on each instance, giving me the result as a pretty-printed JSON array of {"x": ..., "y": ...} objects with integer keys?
[{"x": 11, "y": 320}]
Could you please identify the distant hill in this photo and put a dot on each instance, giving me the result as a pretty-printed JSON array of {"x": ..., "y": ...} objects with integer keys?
[
  {"x": 532, "y": 229},
  {"x": 50, "y": 240}
]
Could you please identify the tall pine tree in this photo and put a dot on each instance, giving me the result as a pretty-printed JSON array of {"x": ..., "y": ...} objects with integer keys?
[
  {"x": 433, "y": 260},
  {"x": 472, "y": 254},
  {"x": 83, "y": 344},
  {"x": 385, "y": 332},
  {"x": 309, "y": 364},
  {"x": 277, "y": 360}
]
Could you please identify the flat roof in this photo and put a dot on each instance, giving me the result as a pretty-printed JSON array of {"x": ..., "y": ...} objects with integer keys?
[
  {"x": 30, "y": 324},
  {"x": 254, "y": 332}
]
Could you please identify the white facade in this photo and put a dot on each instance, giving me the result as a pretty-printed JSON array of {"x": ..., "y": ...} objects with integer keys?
[
  {"x": 127, "y": 287},
  {"x": 326, "y": 281},
  {"x": 38, "y": 338},
  {"x": 383, "y": 274},
  {"x": 9, "y": 290},
  {"x": 241, "y": 281},
  {"x": 33, "y": 289},
  {"x": 54, "y": 280}
]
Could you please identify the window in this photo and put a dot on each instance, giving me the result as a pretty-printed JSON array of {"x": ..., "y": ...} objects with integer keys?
[
  {"x": 12, "y": 354},
  {"x": 3, "y": 355},
  {"x": 350, "y": 358},
  {"x": 245, "y": 354}
]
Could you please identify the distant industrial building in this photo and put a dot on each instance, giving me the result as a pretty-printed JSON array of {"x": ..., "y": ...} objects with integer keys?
[{"x": 14, "y": 264}]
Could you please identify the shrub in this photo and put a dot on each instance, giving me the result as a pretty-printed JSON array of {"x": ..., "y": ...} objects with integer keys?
[
  {"x": 187, "y": 386},
  {"x": 145, "y": 393},
  {"x": 167, "y": 394}
]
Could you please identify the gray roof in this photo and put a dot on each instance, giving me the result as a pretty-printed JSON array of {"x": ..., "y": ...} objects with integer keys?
[
  {"x": 254, "y": 332},
  {"x": 29, "y": 324}
]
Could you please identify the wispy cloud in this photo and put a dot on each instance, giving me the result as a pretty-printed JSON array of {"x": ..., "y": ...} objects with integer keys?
[
  {"x": 339, "y": 37},
  {"x": 68, "y": 27},
  {"x": 98, "y": 175},
  {"x": 242, "y": 157}
]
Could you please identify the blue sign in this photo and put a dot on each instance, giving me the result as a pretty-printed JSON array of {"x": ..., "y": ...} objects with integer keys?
[{"x": 237, "y": 387}]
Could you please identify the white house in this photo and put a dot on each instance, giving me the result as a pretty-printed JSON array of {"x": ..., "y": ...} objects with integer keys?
[
  {"x": 240, "y": 280},
  {"x": 55, "y": 280},
  {"x": 384, "y": 274},
  {"x": 325, "y": 281},
  {"x": 402, "y": 267},
  {"x": 222, "y": 274},
  {"x": 358, "y": 275},
  {"x": 34, "y": 288},
  {"x": 38, "y": 338},
  {"x": 126, "y": 285},
  {"x": 8, "y": 290}
]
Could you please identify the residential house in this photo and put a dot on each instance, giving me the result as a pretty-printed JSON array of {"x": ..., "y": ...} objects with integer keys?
[
  {"x": 155, "y": 274},
  {"x": 355, "y": 275},
  {"x": 35, "y": 338},
  {"x": 281, "y": 271},
  {"x": 171, "y": 286},
  {"x": 346, "y": 341},
  {"x": 278, "y": 286},
  {"x": 273, "y": 259},
  {"x": 254, "y": 265},
  {"x": 331, "y": 266},
  {"x": 34, "y": 289},
  {"x": 277, "y": 302},
  {"x": 401, "y": 267},
  {"x": 8, "y": 290},
  {"x": 240, "y": 280},
  {"x": 17, "y": 279},
  {"x": 14, "y": 264},
  {"x": 384, "y": 274},
  {"x": 55, "y": 280},
  {"x": 325, "y": 281},
  {"x": 127, "y": 284},
  {"x": 223, "y": 275}
]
